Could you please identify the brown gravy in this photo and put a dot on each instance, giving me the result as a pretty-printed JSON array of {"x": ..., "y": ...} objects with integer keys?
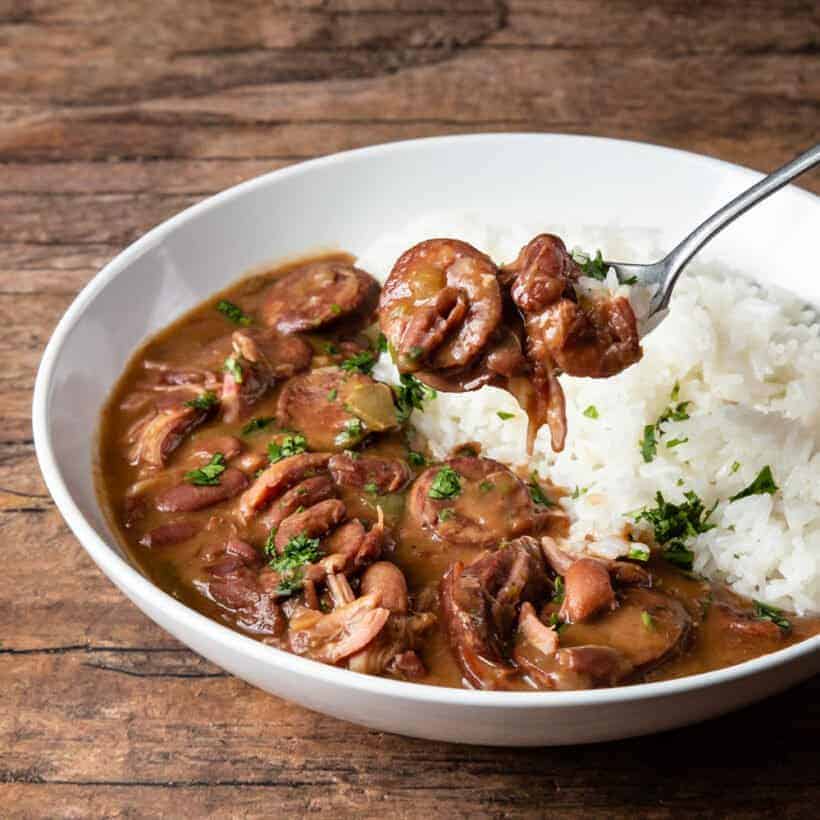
[{"x": 199, "y": 343}]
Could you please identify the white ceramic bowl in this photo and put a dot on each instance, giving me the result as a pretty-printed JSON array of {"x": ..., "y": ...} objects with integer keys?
[{"x": 347, "y": 200}]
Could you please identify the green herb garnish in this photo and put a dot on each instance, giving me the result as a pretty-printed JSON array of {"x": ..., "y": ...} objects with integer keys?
[
  {"x": 415, "y": 353},
  {"x": 330, "y": 348},
  {"x": 673, "y": 523},
  {"x": 555, "y": 622},
  {"x": 300, "y": 550},
  {"x": 335, "y": 309},
  {"x": 233, "y": 367},
  {"x": 591, "y": 412},
  {"x": 638, "y": 553},
  {"x": 647, "y": 620},
  {"x": 735, "y": 467},
  {"x": 536, "y": 493},
  {"x": 360, "y": 362},
  {"x": 207, "y": 476},
  {"x": 762, "y": 485},
  {"x": 291, "y": 445},
  {"x": 381, "y": 343},
  {"x": 255, "y": 424},
  {"x": 579, "y": 491},
  {"x": 415, "y": 459},
  {"x": 411, "y": 395},
  {"x": 558, "y": 590},
  {"x": 591, "y": 266},
  {"x": 371, "y": 488},
  {"x": 505, "y": 416},
  {"x": 446, "y": 514},
  {"x": 352, "y": 432},
  {"x": 764, "y": 612},
  {"x": 332, "y": 394},
  {"x": 446, "y": 484},
  {"x": 676, "y": 441},
  {"x": 649, "y": 447},
  {"x": 233, "y": 312},
  {"x": 204, "y": 401},
  {"x": 486, "y": 486}
]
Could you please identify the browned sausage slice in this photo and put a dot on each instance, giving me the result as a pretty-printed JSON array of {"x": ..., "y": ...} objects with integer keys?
[
  {"x": 165, "y": 432},
  {"x": 334, "y": 409},
  {"x": 317, "y": 294},
  {"x": 383, "y": 475},
  {"x": 440, "y": 305},
  {"x": 189, "y": 497},
  {"x": 480, "y": 604},
  {"x": 313, "y": 522},
  {"x": 280, "y": 477},
  {"x": 305, "y": 494},
  {"x": 492, "y": 504}
]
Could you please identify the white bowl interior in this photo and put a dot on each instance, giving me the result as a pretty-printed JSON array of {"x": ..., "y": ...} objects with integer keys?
[{"x": 349, "y": 200}]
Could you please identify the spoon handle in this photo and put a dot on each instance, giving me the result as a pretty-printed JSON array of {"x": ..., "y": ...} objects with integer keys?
[{"x": 678, "y": 257}]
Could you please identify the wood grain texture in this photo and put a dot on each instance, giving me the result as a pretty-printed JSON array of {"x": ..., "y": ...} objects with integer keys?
[{"x": 114, "y": 116}]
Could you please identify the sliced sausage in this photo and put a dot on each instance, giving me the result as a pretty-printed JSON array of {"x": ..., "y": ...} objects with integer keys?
[
  {"x": 480, "y": 604},
  {"x": 334, "y": 409},
  {"x": 318, "y": 294},
  {"x": 313, "y": 522},
  {"x": 385, "y": 475},
  {"x": 280, "y": 477},
  {"x": 440, "y": 305},
  {"x": 305, "y": 494},
  {"x": 647, "y": 628},
  {"x": 228, "y": 446},
  {"x": 492, "y": 505},
  {"x": 190, "y": 497}
]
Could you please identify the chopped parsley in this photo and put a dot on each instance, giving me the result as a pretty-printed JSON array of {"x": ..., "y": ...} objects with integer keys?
[
  {"x": 204, "y": 401},
  {"x": 647, "y": 620},
  {"x": 652, "y": 432},
  {"x": 360, "y": 362},
  {"x": 591, "y": 266},
  {"x": 300, "y": 550},
  {"x": 579, "y": 491},
  {"x": 330, "y": 348},
  {"x": 762, "y": 485},
  {"x": 555, "y": 622},
  {"x": 207, "y": 476},
  {"x": 381, "y": 343},
  {"x": 415, "y": 459},
  {"x": 233, "y": 312},
  {"x": 558, "y": 590},
  {"x": 255, "y": 424},
  {"x": 446, "y": 484},
  {"x": 332, "y": 394},
  {"x": 335, "y": 309},
  {"x": 674, "y": 523},
  {"x": 591, "y": 412},
  {"x": 505, "y": 416},
  {"x": 649, "y": 447},
  {"x": 446, "y": 514},
  {"x": 352, "y": 432},
  {"x": 371, "y": 488},
  {"x": 536, "y": 493},
  {"x": 764, "y": 612},
  {"x": 486, "y": 486},
  {"x": 233, "y": 367},
  {"x": 735, "y": 467},
  {"x": 410, "y": 395},
  {"x": 291, "y": 445},
  {"x": 638, "y": 552}
]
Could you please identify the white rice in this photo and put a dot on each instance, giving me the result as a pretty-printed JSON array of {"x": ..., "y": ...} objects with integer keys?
[{"x": 747, "y": 357}]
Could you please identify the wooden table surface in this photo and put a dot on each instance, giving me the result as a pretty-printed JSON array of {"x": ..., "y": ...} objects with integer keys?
[{"x": 116, "y": 115}]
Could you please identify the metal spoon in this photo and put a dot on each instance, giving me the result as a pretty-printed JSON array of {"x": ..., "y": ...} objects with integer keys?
[{"x": 666, "y": 272}]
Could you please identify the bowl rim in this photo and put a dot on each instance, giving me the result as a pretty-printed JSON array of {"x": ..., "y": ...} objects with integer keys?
[{"x": 128, "y": 578}]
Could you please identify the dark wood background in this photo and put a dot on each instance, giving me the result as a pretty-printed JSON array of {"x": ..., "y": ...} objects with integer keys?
[{"x": 114, "y": 116}]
